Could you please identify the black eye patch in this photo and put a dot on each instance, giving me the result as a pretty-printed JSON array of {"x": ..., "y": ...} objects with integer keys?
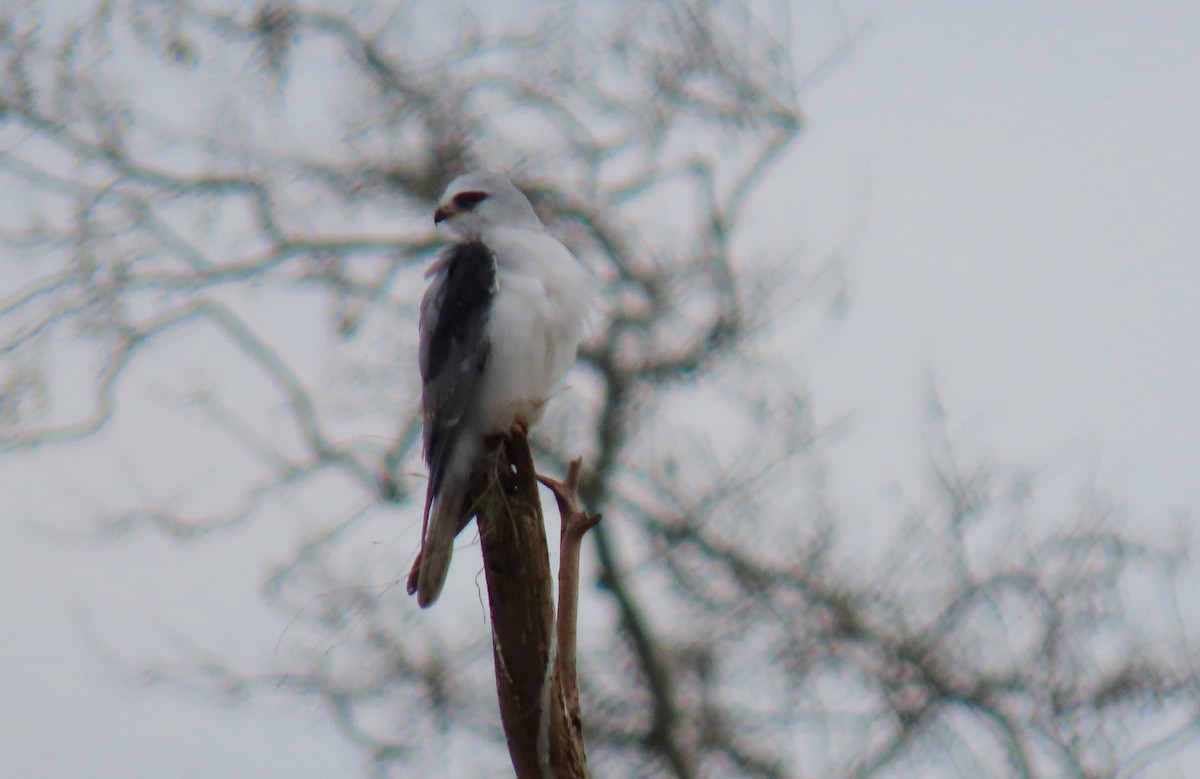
[{"x": 465, "y": 201}]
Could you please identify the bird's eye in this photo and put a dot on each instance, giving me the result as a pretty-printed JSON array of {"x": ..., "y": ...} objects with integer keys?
[{"x": 465, "y": 201}]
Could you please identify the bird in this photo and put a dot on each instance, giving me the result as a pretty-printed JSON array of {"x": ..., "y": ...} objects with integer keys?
[{"x": 500, "y": 325}]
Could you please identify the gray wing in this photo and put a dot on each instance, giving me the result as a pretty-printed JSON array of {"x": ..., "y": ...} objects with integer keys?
[{"x": 453, "y": 349}]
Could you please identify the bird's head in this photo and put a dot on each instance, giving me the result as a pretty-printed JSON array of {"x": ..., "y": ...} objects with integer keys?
[{"x": 477, "y": 201}]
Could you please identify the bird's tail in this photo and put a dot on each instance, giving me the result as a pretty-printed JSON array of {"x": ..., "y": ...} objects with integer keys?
[{"x": 445, "y": 522}]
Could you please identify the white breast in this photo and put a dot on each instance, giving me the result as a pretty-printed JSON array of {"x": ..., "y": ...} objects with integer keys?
[{"x": 535, "y": 325}]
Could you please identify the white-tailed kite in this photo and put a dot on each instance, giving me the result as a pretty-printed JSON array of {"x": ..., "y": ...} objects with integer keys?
[{"x": 500, "y": 325}]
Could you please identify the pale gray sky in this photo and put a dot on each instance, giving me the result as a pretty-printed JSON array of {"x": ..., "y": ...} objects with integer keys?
[
  {"x": 1023, "y": 182},
  {"x": 1031, "y": 189}
]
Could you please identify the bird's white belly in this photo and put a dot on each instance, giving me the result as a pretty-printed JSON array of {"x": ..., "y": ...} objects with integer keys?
[{"x": 533, "y": 342}]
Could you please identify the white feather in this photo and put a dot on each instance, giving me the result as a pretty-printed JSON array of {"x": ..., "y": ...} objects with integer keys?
[{"x": 536, "y": 322}]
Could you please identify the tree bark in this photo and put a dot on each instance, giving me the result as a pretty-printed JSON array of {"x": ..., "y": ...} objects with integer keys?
[
  {"x": 534, "y": 663},
  {"x": 567, "y": 731}
]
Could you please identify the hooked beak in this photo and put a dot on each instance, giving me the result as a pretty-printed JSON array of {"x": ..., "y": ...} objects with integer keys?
[{"x": 443, "y": 213}]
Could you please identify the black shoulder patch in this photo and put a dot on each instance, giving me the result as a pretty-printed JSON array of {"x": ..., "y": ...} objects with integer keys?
[
  {"x": 466, "y": 299},
  {"x": 457, "y": 349}
]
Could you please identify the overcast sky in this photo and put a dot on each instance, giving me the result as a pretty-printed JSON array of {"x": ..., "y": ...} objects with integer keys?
[
  {"x": 1017, "y": 188},
  {"x": 1031, "y": 182}
]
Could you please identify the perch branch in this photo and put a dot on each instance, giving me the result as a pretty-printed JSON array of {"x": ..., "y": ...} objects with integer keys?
[
  {"x": 575, "y": 523},
  {"x": 541, "y": 719}
]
